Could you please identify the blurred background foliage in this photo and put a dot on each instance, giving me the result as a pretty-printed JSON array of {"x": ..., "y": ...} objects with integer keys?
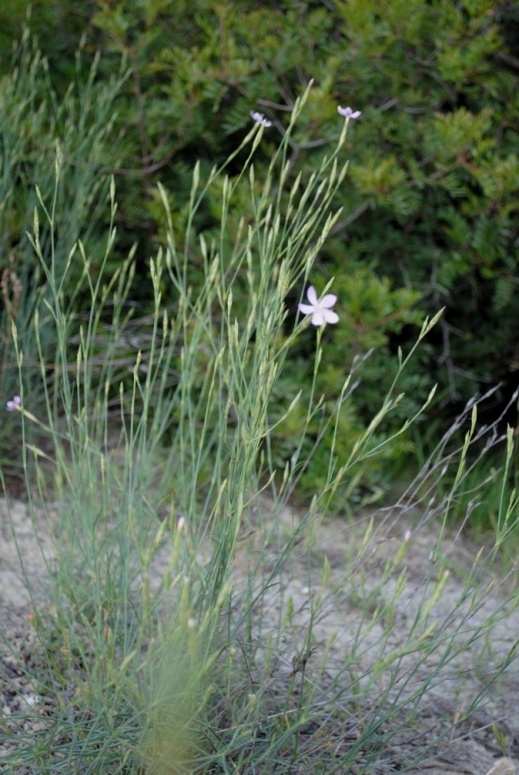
[{"x": 429, "y": 208}]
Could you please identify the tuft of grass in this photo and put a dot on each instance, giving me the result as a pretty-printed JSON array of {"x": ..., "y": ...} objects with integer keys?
[
  {"x": 154, "y": 653},
  {"x": 37, "y": 125},
  {"x": 482, "y": 482}
]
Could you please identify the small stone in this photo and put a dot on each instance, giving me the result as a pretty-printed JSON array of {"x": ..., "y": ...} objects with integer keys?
[{"x": 504, "y": 766}]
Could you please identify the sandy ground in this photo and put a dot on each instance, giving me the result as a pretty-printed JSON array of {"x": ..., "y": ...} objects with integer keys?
[{"x": 354, "y": 585}]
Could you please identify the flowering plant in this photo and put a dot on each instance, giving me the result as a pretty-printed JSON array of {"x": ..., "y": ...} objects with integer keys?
[
  {"x": 349, "y": 113},
  {"x": 259, "y": 118},
  {"x": 14, "y": 404},
  {"x": 320, "y": 309}
]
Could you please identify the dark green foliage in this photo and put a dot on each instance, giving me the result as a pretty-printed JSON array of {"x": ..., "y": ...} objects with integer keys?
[
  {"x": 430, "y": 206},
  {"x": 59, "y": 26}
]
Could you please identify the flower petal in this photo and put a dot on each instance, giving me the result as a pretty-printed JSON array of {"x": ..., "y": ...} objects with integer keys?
[
  {"x": 16, "y": 403},
  {"x": 348, "y": 112},
  {"x": 311, "y": 295},
  {"x": 328, "y": 300},
  {"x": 259, "y": 118},
  {"x": 306, "y": 309},
  {"x": 318, "y": 318},
  {"x": 330, "y": 316}
]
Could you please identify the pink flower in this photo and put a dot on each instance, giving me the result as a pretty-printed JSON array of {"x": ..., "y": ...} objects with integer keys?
[
  {"x": 348, "y": 112},
  {"x": 320, "y": 310},
  {"x": 15, "y": 404},
  {"x": 259, "y": 118}
]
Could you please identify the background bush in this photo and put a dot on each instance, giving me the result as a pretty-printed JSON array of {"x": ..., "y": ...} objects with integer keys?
[{"x": 430, "y": 204}]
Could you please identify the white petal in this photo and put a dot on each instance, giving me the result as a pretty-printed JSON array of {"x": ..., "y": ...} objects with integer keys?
[
  {"x": 311, "y": 295},
  {"x": 306, "y": 309},
  {"x": 329, "y": 316},
  {"x": 318, "y": 318},
  {"x": 328, "y": 300}
]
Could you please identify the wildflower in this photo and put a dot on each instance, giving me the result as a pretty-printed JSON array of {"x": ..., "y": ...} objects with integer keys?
[
  {"x": 259, "y": 118},
  {"x": 320, "y": 310},
  {"x": 348, "y": 112},
  {"x": 14, "y": 404}
]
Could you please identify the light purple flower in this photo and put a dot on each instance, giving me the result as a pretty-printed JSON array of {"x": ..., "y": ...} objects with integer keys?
[
  {"x": 259, "y": 118},
  {"x": 14, "y": 404},
  {"x": 348, "y": 112},
  {"x": 320, "y": 309}
]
